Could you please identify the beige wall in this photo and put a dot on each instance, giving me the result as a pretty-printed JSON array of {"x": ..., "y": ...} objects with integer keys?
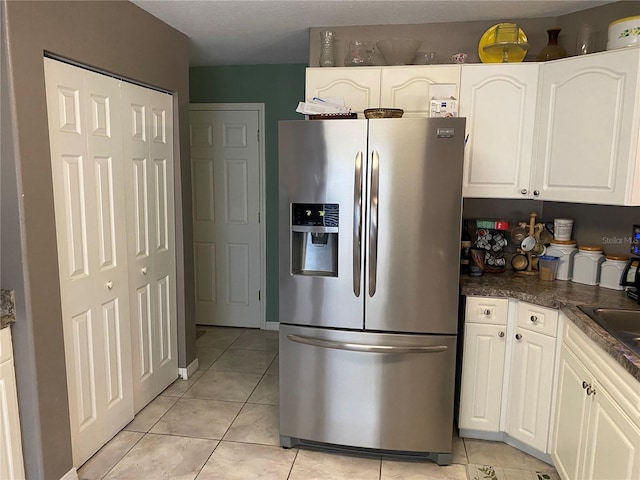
[{"x": 117, "y": 37}]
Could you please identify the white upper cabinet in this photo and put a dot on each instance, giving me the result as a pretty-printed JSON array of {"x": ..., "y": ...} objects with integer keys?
[
  {"x": 408, "y": 88},
  {"x": 589, "y": 119},
  {"x": 499, "y": 102},
  {"x": 359, "y": 86},
  {"x": 405, "y": 87}
]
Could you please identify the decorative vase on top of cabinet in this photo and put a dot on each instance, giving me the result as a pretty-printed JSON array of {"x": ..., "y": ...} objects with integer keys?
[
  {"x": 588, "y": 122},
  {"x": 499, "y": 101},
  {"x": 405, "y": 87}
]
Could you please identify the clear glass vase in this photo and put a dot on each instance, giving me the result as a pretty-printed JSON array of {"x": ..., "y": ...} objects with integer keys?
[
  {"x": 326, "y": 49},
  {"x": 552, "y": 51}
]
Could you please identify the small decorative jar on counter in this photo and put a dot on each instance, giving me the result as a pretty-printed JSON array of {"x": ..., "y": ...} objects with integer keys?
[
  {"x": 586, "y": 264},
  {"x": 611, "y": 271},
  {"x": 565, "y": 250}
]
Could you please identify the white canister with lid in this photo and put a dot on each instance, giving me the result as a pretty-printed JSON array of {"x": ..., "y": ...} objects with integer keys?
[
  {"x": 611, "y": 271},
  {"x": 565, "y": 250},
  {"x": 586, "y": 265}
]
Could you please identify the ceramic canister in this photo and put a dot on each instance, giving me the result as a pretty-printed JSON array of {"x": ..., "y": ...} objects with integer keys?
[
  {"x": 565, "y": 250},
  {"x": 586, "y": 265},
  {"x": 611, "y": 271}
]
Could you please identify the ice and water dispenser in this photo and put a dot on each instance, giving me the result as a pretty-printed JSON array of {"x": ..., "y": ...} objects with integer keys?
[{"x": 314, "y": 239}]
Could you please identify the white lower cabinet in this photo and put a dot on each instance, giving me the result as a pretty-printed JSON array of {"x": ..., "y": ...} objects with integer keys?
[
  {"x": 596, "y": 432},
  {"x": 507, "y": 374},
  {"x": 11, "y": 465}
]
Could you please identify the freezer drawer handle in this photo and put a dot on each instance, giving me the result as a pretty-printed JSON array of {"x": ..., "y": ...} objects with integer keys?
[
  {"x": 358, "y": 347},
  {"x": 357, "y": 225}
]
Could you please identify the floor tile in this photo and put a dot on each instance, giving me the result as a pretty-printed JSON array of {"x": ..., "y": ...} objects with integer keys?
[
  {"x": 163, "y": 457},
  {"x": 423, "y": 470},
  {"x": 257, "y": 340},
  {"x": 103, "y": 461},
  {"x": 274, "y": 368},
  {"x": 206, "y": 356},
  {"x": 458, "y": 452},
  {"x": 243, "y": 461},
  {"x": 149, "y": 415},
  {"x": 515, "y": 474},
  {"x": 256, "y": 424},
  {"x": 249, "y": 361},
  {"x": 314, "y": 465},
  {"x": 227, "y": 386},
  {"x": 484, "y": 452},
  {"x": 195, "y": 417},
  {"x": 267, "y": 391},
  {"x": 179, "y": 386},
  {"x": 218, "y": 337}
]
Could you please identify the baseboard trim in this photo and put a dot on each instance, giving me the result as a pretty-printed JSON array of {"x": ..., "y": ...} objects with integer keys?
[
  {"x": 185, "y": 373},
  {"x": 272, "y": 326},
  {"x": 70, "y": 475}
]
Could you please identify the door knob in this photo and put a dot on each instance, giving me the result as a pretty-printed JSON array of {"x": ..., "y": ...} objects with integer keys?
[
  {"x": 501, "y": 334},
  {"x": 518, "y": 336},
  {"x": 523, "y": 191},
  {"x": 534, "y": 319},
  {"x": 144, "y": 270},
  {"x": 109, "y": 285},
  {"x": 487, "y": 312},
  {"x": 536, "y": 192}
]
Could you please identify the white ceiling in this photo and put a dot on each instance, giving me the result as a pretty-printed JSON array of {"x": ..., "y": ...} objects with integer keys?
[{"x": 247, "y": 32}]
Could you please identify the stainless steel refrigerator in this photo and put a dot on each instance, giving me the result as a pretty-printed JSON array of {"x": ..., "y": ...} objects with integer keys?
[{"x": 369, "y": 233}]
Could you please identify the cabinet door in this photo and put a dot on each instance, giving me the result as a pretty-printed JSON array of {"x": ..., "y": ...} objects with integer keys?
[
  {"x": 360, "y": 87},
  {"x": 499, "y": 102},
  {"x": 482, "y": 376},
  {"x": 612, "y": 441},
  {"x": 587, "y": 124},
  {"x": 530, "y": 388},
  {"x": 408, "y": 87},
  {"x": 572, "y": 410}
]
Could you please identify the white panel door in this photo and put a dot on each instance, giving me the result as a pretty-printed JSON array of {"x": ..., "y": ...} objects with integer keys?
[
  {"x": 148, "y": 157},
  {"x": 226, "y": 208},
  {"x": 86, "y": 159},
  {"x": 482, "y": 376}
]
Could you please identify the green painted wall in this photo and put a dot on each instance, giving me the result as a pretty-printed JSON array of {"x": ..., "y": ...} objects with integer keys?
[{"x": 280, "y": 88}]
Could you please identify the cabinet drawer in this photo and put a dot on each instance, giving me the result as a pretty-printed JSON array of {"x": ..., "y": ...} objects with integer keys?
[
  {"x": 5, "y": 344},
  {"x": 537, "y": 319},
  {"x": 487, "y": 310}
]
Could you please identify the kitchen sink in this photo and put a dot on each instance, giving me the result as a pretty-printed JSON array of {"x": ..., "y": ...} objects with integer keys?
[{"x": 622, "y": 323}]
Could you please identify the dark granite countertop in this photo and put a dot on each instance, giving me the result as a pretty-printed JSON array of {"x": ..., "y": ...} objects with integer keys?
[
  {"x": 7, "y": 308},
  {"x": 564, "y": 295}
]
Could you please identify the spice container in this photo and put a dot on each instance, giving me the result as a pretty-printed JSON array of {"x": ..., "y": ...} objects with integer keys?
[
  {"x": 611, "y": 271},
  {"x": 547, "y": 267},
  {"x": 586, "y": 265},
  {"x": 565, "y": 250}
]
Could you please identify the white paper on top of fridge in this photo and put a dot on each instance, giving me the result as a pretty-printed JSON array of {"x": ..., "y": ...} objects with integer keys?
[
  {"x": 443, "y": 101},
  {"x": 323, "y": 105}
]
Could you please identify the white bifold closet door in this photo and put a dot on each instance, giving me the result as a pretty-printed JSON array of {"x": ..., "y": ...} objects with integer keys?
[
  {"x": 96, "y": 207},
  {"x": 147, "y": 124}
]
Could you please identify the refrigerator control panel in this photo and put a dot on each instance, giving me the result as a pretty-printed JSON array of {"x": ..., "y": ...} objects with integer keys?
[{"x": 314, "y": 214}]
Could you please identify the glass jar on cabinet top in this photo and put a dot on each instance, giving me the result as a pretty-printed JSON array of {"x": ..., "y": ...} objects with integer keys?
[{"x": 586, "y": 264}]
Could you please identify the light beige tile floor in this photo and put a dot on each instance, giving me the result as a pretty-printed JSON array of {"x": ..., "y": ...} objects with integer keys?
[{"x": 222, "y": 424}]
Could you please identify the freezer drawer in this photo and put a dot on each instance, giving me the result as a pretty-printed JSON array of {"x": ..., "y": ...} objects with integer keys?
[{"x": 370, "y": 390}]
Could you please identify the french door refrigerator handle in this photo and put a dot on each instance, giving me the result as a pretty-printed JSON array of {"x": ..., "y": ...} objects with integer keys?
[
  {"x": 359, "y": 347},
  {"x": 357, "y": 225},
  {"x": 373, "y": 222}
]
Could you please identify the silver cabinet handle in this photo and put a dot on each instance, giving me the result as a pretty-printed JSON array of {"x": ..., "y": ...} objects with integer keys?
[
  {"x": 359, "y": 347},
  {"x": 501, "y": 334},
  {"x": 109, "y": 285},
  {"x": 518, "y": 336},
  {"x": 536, "y": 192},
  {"x": 373, "y": 222},
  {"x": 534, "y": 319},
  {"x": 487, "y": 312},
  {"x": 523, "y": 191},
  {"x": 357, "y": 225},
  {"x": 144, "y": 270}
]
